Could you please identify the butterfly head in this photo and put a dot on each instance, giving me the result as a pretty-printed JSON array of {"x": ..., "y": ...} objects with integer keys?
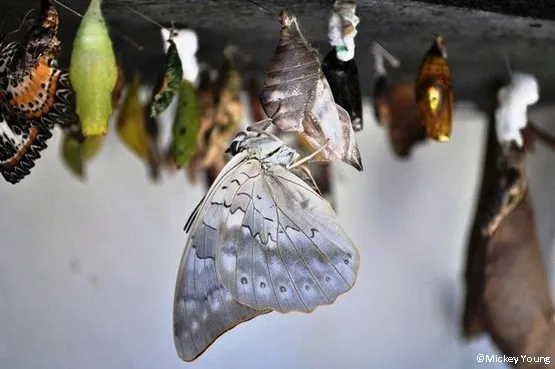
[{"x": 267, "y": 148}]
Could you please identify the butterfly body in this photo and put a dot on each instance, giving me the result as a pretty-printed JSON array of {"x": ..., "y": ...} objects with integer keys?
[{"x": 260, "y": 240}]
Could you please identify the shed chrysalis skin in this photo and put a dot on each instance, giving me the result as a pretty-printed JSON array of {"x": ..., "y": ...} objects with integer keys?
[
  {"x": 297, "y": 97},
  {"x": 93, "y": 71},
  {"x": 343, "y": 79},
  {"x": 170, "y": 82},
  {"x": 186, "y": 125},
  {"x": 507, "y": 293},
  {"x": 434, "y": 92},
  {"x": 35, "y": 95}
]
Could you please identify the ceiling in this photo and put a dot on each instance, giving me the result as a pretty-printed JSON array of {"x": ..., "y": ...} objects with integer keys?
[{"x": 478, "y": 34}]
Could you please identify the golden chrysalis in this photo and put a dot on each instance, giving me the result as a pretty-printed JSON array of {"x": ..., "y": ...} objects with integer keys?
[{"x": 434, "y": 92}]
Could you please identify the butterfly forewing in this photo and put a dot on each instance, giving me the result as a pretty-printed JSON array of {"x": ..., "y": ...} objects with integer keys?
[{"x": 203, "y": 308}]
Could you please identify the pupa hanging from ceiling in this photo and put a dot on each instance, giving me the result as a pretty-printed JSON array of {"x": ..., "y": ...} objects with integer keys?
[
  {"x": 297, "y": 97},
  {"x": 434, "y": 92},
  {"x": 339, "y": 65},
  {"x": 93, "y": 71},
  {"x": 395, "y": 106}
]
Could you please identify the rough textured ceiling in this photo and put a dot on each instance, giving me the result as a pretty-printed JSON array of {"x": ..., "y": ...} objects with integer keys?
[{"x": 477, "y": 34}]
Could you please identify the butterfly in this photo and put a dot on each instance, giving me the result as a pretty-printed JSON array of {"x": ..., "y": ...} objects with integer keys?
[
  {"x": 262, "y": 239},
  {"x": 35, "y": 95}
]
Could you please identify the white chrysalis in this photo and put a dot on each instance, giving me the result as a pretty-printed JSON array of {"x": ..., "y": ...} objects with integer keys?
[
  {"x": 186, "y": 42},
  {"x": 514, "y": 99},
  {"x": 342, "y": 29}
]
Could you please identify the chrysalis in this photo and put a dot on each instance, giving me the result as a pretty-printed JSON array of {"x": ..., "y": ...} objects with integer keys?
[
  {"x": 207, "y": 112},
  {"x": 131, "y": 124},
  {"x": 339, "y": 65},
  {"x": 118, "y": 88},
  {"x": 93, "y": 71},
  {"x": 76, "y": 154},
  {"x": 297, "y": 97},
  {"x": 507, "y": 291},
  {"x": 228, "y": 114},
  {"x": 343, "y": 79},
  {"x": 186, "y": 125},
  {"x": 434, "y": 92},
  {"x": 395, "y": 106},
  {"x": 511, "y": 115},
  {"x": 169, "y": 83}
]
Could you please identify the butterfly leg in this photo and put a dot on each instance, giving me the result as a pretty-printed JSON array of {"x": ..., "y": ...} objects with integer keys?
[
  {"x": 307, "y": 158},
  {"x": 305, "y": 169}
]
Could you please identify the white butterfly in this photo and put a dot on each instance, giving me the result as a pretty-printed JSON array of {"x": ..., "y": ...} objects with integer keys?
[{"x": 261, "y": 239}]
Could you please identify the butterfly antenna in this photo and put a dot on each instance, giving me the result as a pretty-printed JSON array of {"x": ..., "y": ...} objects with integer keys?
[
  {"x": 266, "y": 9},
  {"x": 20, "y": 24},
  {"x": 120, "y": 34}
]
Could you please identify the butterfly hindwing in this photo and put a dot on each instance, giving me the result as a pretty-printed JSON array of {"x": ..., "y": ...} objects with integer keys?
[
  {"x": 20, "y": 146},
  {"x": 280, "y": 244}
]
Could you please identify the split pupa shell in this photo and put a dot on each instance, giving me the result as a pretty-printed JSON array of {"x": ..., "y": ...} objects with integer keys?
[{"x": 297, "y": 97}]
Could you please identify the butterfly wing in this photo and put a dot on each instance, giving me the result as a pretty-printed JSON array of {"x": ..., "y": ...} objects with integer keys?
[
  {"x": 20, "y": 146},
  {"x": 281, "y": 246},
  {"x": 203, "y": 308}
]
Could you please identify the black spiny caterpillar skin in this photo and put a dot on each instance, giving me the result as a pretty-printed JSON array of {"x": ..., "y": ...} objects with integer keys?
[{"x": 344, "y": 82}]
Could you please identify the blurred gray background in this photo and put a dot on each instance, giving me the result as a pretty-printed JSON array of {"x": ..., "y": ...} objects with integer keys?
[{"x": 87, "y": 270}]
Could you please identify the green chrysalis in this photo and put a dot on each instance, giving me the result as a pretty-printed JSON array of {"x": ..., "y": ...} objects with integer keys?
[
  {"x": 170, "y": 82},
  {"x": 93, "y": 71},
  {"x": 186, "y": 125}
]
